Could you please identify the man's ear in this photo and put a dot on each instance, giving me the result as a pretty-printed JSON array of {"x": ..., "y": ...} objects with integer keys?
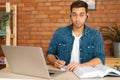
[{"x": 87, "y": 17}]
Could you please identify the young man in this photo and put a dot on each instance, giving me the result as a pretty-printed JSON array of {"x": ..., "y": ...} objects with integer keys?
[{"x": 76, "y": 45}]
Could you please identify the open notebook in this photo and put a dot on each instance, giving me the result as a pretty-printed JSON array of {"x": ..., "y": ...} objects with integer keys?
[{"x": 28, "y": 61}]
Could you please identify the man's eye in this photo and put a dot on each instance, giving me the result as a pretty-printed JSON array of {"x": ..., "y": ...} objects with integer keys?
[
  {"x": 73, "y": 14},
  {"x": 82, "y": 15}
]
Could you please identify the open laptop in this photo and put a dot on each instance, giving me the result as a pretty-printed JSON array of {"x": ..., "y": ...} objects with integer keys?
[{"x": 28, "y": 61}]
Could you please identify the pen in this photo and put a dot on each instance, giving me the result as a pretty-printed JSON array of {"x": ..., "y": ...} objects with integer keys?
[
  {"x": 57, "y": 57},
  {"x": 63, "y": 68}
]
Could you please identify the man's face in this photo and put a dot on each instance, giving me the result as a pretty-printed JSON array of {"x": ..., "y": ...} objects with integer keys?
[{"x": 78, "y": 17}]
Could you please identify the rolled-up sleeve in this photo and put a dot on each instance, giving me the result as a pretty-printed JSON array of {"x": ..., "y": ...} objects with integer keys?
[
  {"x": 99, "y": 47},
  {"x": 53, "y": 45}
]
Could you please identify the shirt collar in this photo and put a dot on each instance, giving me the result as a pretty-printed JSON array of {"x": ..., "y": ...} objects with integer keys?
[{"x": 86, "y": 29}]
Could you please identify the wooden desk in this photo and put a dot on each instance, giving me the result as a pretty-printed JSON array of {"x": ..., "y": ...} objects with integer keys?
[
  {"x": 5, "y": 74},
  {"x": 113, "y": 62}
]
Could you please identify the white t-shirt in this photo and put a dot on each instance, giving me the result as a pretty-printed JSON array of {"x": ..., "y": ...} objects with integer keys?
[{"x": 75, "y": 55}]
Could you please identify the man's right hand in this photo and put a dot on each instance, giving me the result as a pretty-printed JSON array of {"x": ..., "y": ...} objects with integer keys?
[
  {"x": 56, "y": 62},
  {"x": 59, "y": 63}
]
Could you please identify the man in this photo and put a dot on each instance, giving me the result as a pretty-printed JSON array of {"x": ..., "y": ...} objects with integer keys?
[{"x": 76, "y": 45}]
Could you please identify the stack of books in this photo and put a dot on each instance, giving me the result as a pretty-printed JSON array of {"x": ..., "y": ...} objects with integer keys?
[{"x": 2, "y": 62}]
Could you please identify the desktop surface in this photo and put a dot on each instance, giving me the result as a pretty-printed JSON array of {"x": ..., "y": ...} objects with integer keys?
[{"x": 5, "y": 74}]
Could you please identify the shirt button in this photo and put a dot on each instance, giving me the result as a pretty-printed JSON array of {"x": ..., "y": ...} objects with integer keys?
[
  {"x": 59, "y": 44},
  {"x": 88, "y": 46},
  {"x": 64, "y": 45}
]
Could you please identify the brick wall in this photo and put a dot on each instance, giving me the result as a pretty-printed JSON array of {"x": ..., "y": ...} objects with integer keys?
[{"x": 38, "y": 19}]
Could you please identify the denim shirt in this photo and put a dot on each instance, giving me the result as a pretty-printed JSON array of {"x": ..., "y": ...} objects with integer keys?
[{"x": 91, "y": 44}]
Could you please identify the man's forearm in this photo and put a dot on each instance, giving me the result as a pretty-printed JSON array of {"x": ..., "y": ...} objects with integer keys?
[{"x": 93, "y": 62}]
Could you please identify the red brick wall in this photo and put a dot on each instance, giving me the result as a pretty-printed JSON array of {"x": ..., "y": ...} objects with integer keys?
[{"x": 38, "y": 19}]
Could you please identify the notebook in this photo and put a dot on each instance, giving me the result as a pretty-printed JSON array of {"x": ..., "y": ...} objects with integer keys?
[{"x": 28, "y": 61}]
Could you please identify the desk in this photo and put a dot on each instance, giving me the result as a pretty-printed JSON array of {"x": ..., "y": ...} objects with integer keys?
[
  {"x": 5, "y": 74},
  {"x": 112, "y": 61}
]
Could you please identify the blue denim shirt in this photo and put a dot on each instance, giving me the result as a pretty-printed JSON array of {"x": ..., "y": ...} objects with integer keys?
[{"x": 91, "y": 44}]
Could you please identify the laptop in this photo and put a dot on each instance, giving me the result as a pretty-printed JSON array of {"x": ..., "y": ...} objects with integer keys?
[{"x": 28, "y": 61}]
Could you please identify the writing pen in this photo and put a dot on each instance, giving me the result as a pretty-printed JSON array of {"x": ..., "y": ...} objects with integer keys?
[
  {"x": 57, "y": 57},
  {"x": 63, "y": 68}
]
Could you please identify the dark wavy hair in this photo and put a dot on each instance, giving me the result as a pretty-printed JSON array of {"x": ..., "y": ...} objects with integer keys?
[{"x": 78, "y": 4}]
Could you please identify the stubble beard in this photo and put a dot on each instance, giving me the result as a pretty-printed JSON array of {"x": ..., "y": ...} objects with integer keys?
[{"x": 78, "y": 26}]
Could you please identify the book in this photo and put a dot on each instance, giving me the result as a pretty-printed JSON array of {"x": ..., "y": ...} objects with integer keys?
[
  {"x": 97, "y": 71},
  {"x": 2, "y": 66},
  {"x": 2, "y": 62},
  {"x": 2, "y": 59}
]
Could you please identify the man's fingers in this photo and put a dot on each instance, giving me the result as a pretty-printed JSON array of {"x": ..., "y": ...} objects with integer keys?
[
  {"x": 72, "y": 66},
  {"x": 59, "y": 63}
]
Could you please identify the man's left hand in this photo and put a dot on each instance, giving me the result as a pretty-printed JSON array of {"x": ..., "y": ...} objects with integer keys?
[{"x": 72, "y": 66}]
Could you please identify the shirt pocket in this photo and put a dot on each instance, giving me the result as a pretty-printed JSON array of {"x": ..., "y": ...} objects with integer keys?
[
  {"x": 90, "y": 49},
  {"x": 61, "y": 48},
  {"x": 88, "y": 53}
]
